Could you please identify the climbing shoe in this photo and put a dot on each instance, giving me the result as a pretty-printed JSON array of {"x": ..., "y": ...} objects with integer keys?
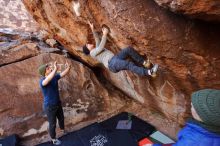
[
  {"x": 154, "y": 70},
  {"x": 147, "y": 63},
  {"x": 56, "y": 142}
]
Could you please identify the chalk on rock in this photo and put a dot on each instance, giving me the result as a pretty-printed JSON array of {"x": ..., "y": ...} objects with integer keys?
[{"x": 76, "y": 7}]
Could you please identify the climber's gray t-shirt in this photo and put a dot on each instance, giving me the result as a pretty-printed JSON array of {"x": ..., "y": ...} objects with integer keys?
[{"x": 100, "y": 53}]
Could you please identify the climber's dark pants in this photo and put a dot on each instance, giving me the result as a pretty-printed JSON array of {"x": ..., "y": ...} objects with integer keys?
[
  {"x": 53, "y": 113},
  {"x": 119, "y": 62}
]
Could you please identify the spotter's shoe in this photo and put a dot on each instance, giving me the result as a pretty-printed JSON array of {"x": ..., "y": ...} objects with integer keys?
[{"x": 56, "y": 142}]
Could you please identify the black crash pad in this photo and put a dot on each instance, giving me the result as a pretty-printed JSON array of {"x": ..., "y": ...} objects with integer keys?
[
  {"x": 95, "y": 135},
  {"x": 139, "y": 128},
  {"x": 106, "y": 134},
  {"x": 12, "y": 140}
]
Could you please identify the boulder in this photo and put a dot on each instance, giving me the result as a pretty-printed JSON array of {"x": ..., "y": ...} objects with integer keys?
[
  {"x": 14, "y": 16},
  {"x": 15, "y": 47},
  {"x": 208, "y": 10},
  {"x": 186, "y": 50},
  {"x": 83, "y": 96},
  {"x": 18, "y": 53}
]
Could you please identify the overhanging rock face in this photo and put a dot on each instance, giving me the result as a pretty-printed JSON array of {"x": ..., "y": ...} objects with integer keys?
[
  {"x": 203, "y": 9},
  {"x": 186, "y": 50}
]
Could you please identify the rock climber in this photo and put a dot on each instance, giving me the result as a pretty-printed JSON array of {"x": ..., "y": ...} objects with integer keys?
[{"x": 116, "y": 63}]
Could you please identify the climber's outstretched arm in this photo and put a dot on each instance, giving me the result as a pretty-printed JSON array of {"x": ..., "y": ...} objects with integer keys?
[
  {"x": 95, "y": 34},
  {"x": 102, "y": 43}
]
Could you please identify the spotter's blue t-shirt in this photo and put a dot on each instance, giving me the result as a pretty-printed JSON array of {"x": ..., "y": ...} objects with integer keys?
[{"x": 50, "y": 91}]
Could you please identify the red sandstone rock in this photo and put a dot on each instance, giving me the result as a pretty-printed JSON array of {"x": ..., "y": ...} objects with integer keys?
[
  {"x": 13, "y": 15},
  {"x": 202, "y": 9},
  {"x": 18, "y": 53},
  {"x": 186, "y": 50},
  {"x": 83, "y": 97},
  {"x": 15, "y": 47}
]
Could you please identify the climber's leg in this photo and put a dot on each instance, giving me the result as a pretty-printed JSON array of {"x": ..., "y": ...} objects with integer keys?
[
  {"x": 130, "y": 52},
  {"x": 116, "y": 65}
]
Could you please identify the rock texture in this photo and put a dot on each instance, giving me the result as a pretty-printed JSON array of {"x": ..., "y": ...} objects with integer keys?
[
  {"x": 13, "y": 15},
  {"x": 15, "y": 47},
  {"x": 21, "y": 98},
  {"x": 83, "y": 97},
  {"x": 186, "y": 50},
  {"x": 203, "y": 9}
]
